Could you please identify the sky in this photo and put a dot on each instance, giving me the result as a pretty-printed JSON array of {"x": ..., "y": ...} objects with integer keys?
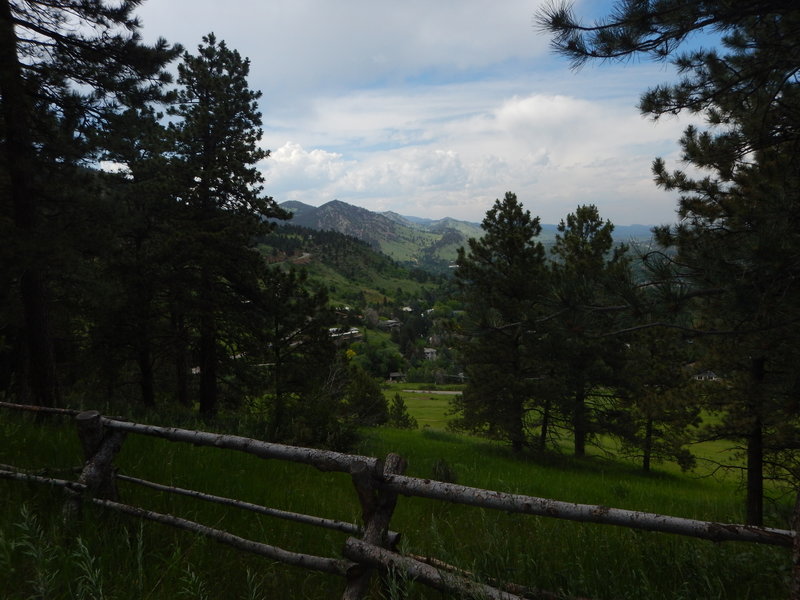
[{"x": 435, "y": 108}]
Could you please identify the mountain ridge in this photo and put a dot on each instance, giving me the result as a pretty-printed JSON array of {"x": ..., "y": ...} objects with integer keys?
[{"x": 431, "y": 244}]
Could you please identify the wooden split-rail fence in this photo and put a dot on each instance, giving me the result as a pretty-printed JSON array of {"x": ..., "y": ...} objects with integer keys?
[{"x": 377, "y": 483}]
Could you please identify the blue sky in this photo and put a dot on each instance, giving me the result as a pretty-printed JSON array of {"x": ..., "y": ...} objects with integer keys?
[{"x": 437, "y": 108}]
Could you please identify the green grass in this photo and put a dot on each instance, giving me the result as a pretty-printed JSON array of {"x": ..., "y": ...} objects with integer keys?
[
  {"x": 133, "y": 560},
  {"x": 430, "y": 409},
  {"x": 405, "y": 249}
]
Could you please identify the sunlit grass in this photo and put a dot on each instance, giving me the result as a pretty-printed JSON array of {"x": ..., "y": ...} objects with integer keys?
[{"x": 152, "y": 561}]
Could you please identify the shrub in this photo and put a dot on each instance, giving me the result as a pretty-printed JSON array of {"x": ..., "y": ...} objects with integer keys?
[
  {"x": 398, "y": 414},
  {"x": 365, "y": 400}
]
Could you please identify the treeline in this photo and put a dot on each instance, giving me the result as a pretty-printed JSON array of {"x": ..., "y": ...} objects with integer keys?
[
  {"x": 579, "y": 346},
  {"x": 546, "y": 346}
]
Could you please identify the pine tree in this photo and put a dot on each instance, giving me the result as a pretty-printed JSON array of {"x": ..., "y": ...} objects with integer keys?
[
  {"x": 143, "y": 264},
  {"x": 366, "y": 403},
  {"x": 398, "y": 414},
  {"x": 585, "y": 364},
  {"x": 216, "y": 150},
  {"x": 286, "y": 328},
  {"x": 502, "y": 279},
  {"x": 659, "y": 396},
  {"x": 736, "y": 247},
  {"x": 64, "y": 64}
]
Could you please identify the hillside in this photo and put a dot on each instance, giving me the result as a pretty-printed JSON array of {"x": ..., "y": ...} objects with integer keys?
[
  {"x": 351, "y": 269},
  {"x": 429, "y": 244},
  {"x": 126, "y": 559}
]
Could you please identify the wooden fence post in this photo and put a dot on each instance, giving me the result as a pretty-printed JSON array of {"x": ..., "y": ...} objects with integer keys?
[
  {"x": 90, "y": 432},
  {"x": 377, "y": 508},
  {"x": 794, "y": 584},
  {"x": 100, "y": 447}
]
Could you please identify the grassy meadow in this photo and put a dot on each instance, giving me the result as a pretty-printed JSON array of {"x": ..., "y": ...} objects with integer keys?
[{"x": 115, "y": 557}]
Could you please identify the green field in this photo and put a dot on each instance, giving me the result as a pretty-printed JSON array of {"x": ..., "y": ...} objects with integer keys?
[
  {"x": 39, "y": 557},
  {"x": 428, "y": 407}
]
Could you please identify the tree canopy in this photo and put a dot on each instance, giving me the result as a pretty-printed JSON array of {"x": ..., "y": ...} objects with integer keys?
[
  {"x": 65, "y": 66},
  {"x": 502, "y": 277},
  {"x": 732, "y": 257}
]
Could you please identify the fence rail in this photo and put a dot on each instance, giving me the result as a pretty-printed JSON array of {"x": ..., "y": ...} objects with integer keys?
[{"x": 377, "y": 485}]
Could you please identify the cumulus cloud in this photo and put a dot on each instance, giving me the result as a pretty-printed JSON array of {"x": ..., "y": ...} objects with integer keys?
[
  {"x": 292, "y": 163},
  {"x": 555, "y": 151},
  {"x": 435, "y": 108}
]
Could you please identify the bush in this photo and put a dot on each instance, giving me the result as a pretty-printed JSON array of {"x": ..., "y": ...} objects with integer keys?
[
  {"x": 365, "y": 400},
  {"x": 398, "y": 414}
]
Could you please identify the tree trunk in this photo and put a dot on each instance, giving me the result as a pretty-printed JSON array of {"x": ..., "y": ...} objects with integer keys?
[
  {"x": 545, "y": 426},
  {"x": 517, "y": 427},
  {"x": 147, "y": 384},
  {"x": 755, "y": 446},
  {"x": 181, "y": 358},
  {"x": 647, "y": 446},
  {"x": 21, "y": 369},
  {"x": 20, "y": 160},
  {"x": 276, "y": 417},
  {"x": 579, "y": 422},
  {"x": 755, "y": 475},
  {"x": 208, "y": 365}
]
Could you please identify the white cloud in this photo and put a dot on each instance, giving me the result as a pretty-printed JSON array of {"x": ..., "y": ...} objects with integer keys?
[
  {"x": 555, "y": 151},
  {"x": 291, "y": 163},
  {"x": 435, "y": 108}
]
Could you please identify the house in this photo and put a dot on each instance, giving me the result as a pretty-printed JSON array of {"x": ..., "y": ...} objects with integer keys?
[
  {"x": 345, "y": 335},
  {"x": 706, "y": 376},
  {"x": 430, "y": 353}
]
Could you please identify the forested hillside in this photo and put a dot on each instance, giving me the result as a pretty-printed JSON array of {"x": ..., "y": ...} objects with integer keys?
[
  {"x": 349, "y": 268},
  {"x": 429, "y": 246}
]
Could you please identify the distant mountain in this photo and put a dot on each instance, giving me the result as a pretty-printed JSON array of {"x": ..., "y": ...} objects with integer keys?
[
  {"x": 431, "y": 244},
  {"x": 405, "y": 220},
  {"x": 298, "y": 209},
  {"x": 358, "y": 222},
  {"x": 424, "y": 243}
]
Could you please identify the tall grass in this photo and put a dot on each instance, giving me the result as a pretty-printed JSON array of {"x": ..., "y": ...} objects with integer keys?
[{"x": 120, "y": 558}]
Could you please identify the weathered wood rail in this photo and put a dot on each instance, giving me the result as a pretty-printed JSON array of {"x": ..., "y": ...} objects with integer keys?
[{"x": 377, "y": 485}]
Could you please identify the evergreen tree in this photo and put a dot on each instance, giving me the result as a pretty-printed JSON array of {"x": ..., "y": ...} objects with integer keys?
[
  {"x": 503, "y": 279},
  {"x": 64, "y": 65},
  {"x": 736, "y": 262},
  {"x": 659, "y": 397},
  {"x": 585, "y": 365},
  {"x": 131, "y": 308},
  {"x": 287, "y": 328},
  {"x": 365, "y": 400},
  {"x": 398, "y": 414},
  {"x": 216, "y": 151}
]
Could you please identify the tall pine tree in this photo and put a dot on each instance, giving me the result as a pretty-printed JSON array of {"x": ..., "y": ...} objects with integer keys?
[
  {"x": 216, "y": 151},
  {"x": 737, "y": 250},
  {"x": 64, "y": 64},
  {"x": 586, "y": 268},
  {"x": 502, "y": 278}
]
